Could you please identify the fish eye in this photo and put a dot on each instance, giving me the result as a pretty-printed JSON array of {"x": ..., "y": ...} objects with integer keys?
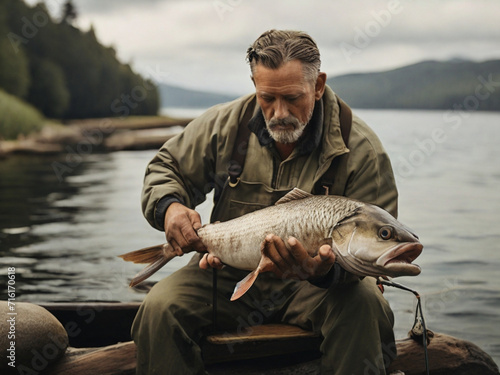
[{"x": 386, "y": 233}]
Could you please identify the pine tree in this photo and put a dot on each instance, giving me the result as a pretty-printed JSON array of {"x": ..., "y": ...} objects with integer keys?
[{"x": 69, "y": 12}]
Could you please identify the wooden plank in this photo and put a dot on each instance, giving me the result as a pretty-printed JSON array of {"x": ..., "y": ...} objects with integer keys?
[
  {"x": 259, "y": 342},
  {"x": 261, "y": 333}
]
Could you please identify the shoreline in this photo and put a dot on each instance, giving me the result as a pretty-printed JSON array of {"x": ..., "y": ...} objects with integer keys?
[{"x": 106, "y": 134}]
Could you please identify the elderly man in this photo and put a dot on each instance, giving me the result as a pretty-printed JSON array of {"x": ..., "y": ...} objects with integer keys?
[{"x": 251, "y": 152}]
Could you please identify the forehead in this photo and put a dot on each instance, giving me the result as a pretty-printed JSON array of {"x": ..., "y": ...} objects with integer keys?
[{"x": 288, "y": 78}]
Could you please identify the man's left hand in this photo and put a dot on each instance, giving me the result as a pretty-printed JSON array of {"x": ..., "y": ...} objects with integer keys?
[{"x": 293, "y": 261}]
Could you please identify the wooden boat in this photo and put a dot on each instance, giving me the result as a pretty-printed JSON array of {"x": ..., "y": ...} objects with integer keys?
[{"x": 100, "y": 343}]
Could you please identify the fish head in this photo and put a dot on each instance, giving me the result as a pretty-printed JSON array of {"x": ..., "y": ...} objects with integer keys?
[{"x": 371, "y": 242}]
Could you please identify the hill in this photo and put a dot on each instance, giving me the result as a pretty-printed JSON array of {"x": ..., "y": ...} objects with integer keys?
[
  {"x": 454, "y": 84},
  {"x": 178, "y": 97}
]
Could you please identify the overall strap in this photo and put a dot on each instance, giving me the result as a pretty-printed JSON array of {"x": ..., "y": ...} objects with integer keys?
[
  {"x": 345, "y": 118},
  {"x": 240, "y": 147}
]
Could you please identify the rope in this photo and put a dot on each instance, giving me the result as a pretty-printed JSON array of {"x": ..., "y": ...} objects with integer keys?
[{"x": 419, "y": 316}]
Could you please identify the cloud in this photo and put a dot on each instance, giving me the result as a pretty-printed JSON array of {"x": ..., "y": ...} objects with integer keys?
[{"x": 202, "y": 43}]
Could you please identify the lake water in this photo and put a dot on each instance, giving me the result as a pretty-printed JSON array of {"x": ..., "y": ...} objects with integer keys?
[{"x": 63, "y": 228}]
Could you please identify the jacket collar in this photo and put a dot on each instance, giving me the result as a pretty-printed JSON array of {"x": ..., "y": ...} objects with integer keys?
[{"x": 312, "y": 135}]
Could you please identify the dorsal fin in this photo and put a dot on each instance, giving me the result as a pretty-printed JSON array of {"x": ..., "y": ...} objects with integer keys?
[{"x": 294, "y": 195}]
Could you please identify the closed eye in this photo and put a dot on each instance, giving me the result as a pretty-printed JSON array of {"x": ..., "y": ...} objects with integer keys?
[
  {"x": 266, "y": 98},
  {"x": 292, "y": 98}
]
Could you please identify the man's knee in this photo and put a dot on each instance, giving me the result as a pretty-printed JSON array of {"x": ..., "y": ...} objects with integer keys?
[{"x": 360, "y": 304}]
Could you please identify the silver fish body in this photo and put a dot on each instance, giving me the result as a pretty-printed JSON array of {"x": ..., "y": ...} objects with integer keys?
[
  {"x": 366, "y": 240},
  {"x": 237, "y": 242}
]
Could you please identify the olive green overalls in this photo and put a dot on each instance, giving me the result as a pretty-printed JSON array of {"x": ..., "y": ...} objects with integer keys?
[{"x": 353, "y": 317}]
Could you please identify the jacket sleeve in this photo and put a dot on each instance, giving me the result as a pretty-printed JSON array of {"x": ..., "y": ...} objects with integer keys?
[
  {"x": 191, "y": 164},
  {"x": 370, "y": 177}
]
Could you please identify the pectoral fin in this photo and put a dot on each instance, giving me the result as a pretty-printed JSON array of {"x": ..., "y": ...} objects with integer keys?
[
  {"x": 245, "y": 284},
  {"x": 242, "y": 287}
]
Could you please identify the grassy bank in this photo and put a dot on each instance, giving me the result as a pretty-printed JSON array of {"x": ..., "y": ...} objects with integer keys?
[{"x": 17, "y": 117}]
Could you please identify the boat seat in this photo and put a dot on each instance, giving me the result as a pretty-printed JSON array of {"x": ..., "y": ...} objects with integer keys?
[{"x": 260, "y": 341}]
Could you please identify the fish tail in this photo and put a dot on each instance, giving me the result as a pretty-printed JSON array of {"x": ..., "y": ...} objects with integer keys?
[
  {"x": 157, "y": 256},
  {"x": 147, "y": 254}
]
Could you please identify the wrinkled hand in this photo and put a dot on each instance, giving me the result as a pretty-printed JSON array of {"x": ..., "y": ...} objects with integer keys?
[
  {"x": 294, "y": 262},
  {"x": 181, "y": 224}
]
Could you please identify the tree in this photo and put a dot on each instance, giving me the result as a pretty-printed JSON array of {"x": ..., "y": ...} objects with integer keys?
[
  {"x": 14, "y": 68},
  {"x": 48, "y": 90},
  {"x": 69, "y": 12}
]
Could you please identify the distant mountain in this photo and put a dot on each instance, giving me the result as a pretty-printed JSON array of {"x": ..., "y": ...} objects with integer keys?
[
  {"x": 453, "y": 84},
  {"x": 178, "y": 97}
]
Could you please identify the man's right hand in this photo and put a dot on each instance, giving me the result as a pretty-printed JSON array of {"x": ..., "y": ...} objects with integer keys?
[{"x": 181, "y": 224}]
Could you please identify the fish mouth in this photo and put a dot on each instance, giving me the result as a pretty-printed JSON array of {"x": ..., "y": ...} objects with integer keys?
[{"x": 399, "y": 259}]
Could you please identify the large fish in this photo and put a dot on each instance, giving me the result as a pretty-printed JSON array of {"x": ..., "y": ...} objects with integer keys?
[{"x": 366, "y": 240}]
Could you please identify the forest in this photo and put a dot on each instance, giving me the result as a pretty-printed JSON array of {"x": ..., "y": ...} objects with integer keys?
[{"x": 63, "y": 72}]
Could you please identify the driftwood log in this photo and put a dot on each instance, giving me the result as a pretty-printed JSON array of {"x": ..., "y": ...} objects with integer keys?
[
  {"x": 105, "y": 134},
  {"x": 447, "y": 355}
]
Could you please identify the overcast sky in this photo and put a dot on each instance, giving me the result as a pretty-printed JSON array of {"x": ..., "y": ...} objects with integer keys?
[{"x": 202, "y": 43}]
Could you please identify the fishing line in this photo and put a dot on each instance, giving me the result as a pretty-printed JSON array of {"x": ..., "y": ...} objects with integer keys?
[
  {"x": 419, "y": 322},
  {"x": 214, "y": 299}
]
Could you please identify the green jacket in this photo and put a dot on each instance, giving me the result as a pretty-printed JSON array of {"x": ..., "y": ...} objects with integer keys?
[{"x": 191, "y": 164}]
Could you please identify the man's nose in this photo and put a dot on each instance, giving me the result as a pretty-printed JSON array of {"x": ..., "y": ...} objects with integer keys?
[{"x": 280, "y": 110}]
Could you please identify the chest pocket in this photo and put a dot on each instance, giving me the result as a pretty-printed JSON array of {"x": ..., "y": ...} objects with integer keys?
[{"x": 243, "y": 198}]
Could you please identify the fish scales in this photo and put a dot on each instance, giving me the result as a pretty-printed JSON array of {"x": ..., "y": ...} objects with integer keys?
[
  {"x": 309, "y": 220},
  {"x": 366, "y": 240}
]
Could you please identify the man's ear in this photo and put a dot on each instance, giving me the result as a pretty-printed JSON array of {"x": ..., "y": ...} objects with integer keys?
[
  {"x": 319, "y": 88},
  {"x": 253, "y": 80}
]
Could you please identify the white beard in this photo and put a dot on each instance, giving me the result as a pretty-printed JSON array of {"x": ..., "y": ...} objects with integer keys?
[{"x": 287, "y": 136}]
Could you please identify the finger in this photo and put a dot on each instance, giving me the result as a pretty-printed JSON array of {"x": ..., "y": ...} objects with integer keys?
[
  {"x": 192, "y": 236},
  {"x": 271, "y": 244},
  {"x": 203, "y": 263},
  {"x": 324, "y": 260},
  {"x": 326, "y": 254},
  {"x": 177, "y": 248},
  {"x": 175, "y": 236},
  {"x": 192, "y": 241},
  {"x": 195, "y": 219},
  {"x": 297, "y": 250},
  {"x": 284, "y": 251},
  {"x": 307, "y": 265},
  {"x": 270, "y": 252},
  {"x": 214, "y": 262},
  {"x": 186, "y": 237}
]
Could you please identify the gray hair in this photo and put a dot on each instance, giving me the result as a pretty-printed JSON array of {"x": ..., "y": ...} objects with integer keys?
[{"x": 276, "y": 47}]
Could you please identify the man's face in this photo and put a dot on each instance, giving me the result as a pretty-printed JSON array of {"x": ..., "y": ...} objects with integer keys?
[{"x": 286, "y": 98}]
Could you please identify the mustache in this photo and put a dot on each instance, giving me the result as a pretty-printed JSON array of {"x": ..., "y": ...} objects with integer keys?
[{"x": 289, "y": 120}]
